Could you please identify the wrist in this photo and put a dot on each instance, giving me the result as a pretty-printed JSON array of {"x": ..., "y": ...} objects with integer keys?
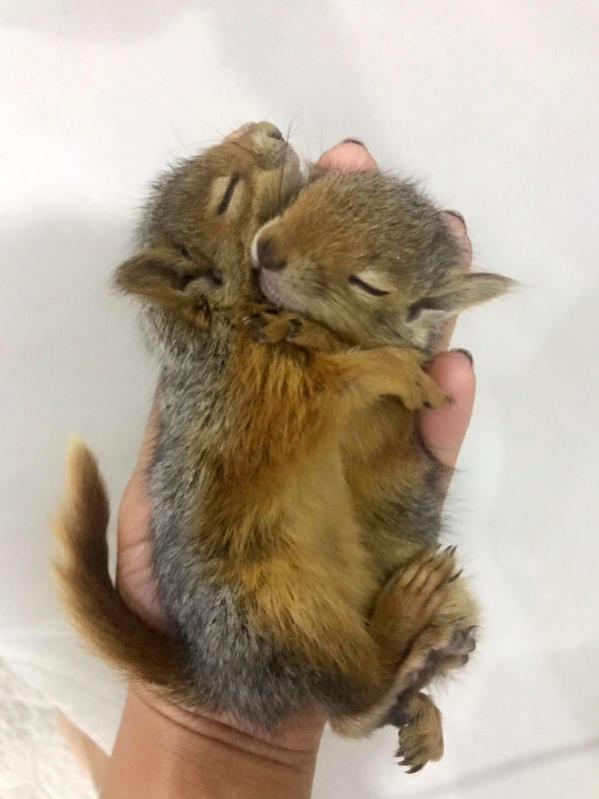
[{"x": 164, "y": 751}]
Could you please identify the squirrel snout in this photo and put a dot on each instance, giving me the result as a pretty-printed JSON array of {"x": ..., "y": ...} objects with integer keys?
[{"x": 266, "y": 255}]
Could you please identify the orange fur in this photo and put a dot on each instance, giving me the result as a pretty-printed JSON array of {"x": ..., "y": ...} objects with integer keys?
[
  {"x": 95, "y": 606},
  {"x": 312, "y": 584}
]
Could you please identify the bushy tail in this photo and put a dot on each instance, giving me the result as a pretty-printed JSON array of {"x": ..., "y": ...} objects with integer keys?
[{"x": 92, "y": 601}]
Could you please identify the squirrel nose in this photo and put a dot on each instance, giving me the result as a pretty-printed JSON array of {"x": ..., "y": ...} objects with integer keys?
[{"x": 267, "y": 256}]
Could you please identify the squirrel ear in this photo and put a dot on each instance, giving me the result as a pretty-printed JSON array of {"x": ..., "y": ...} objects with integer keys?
[
  {"x": 464, "y": 292},
  {"x": 157, "y": 276}
]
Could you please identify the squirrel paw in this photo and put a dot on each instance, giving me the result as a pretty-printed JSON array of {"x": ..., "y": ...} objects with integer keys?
[
  {"x": 435, "y": 652},
  {"x": 412, "y": 597},
  {"x": 421, "y": 735},
  {"x": 271, "y": 326},
  {"x": 431, "y": 396},
  {"x": 426, "y": 618}
]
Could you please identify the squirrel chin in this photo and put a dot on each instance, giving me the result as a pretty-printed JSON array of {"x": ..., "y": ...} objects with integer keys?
[{"x": 269, "y": 285}]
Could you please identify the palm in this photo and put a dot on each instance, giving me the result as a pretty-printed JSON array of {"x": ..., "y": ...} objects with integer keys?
[{"x": 135, "y": 574}]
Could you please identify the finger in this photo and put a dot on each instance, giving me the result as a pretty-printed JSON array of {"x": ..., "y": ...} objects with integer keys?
[
  {"x": 148, "y": 444},
  {"x": 456, "y": 224},
  {"x": 136, "y": 508},
  {"x": 348, "y": 156},
  {"x": 135, "y": 571},
  {"x": 149, "y": 440},
  {"x": 443, "y": 430}
]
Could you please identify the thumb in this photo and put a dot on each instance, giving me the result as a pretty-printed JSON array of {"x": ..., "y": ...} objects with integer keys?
[{"x": 443, "y": 430}]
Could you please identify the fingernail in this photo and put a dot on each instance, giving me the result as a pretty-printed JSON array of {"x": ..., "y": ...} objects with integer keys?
[
  {"x": 458, "y": 214},
  {"x": 353, "y": 141},
  {"x": 468, "y": 355}
]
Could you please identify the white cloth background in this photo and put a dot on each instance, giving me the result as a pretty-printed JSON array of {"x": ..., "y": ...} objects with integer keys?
[
  {"x": 35, "y": 760},
  {"x": 494, "y": 106}
]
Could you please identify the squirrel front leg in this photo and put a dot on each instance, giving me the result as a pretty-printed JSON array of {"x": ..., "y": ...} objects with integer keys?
[
  {"x": 365, "y": 375},
  {"x": 271, "y": 326}
]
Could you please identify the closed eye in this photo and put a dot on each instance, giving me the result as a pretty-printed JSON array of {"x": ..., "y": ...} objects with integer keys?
[
  {"x": 361, "y": 284},
  {"x": 228, "y": 195}
]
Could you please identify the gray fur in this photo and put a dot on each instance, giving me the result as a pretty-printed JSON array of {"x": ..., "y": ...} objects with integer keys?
[{"x": 235, "y": 669}]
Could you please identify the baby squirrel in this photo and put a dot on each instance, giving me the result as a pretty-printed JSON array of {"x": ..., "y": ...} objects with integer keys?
[
  {"x": 294, "y": 524},
  {"x": 370, "y": 259}
]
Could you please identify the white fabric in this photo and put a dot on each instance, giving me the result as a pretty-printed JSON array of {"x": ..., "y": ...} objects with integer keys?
[
  {"x": 53, "y": 661},
  {"x": 35, "y": 761},
  {"x": 494, "y": 106}
]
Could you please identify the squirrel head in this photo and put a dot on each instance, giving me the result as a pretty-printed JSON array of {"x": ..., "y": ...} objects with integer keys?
[
  {"x": 202, "y": 215},
  {"x": 371, "y": 258}
]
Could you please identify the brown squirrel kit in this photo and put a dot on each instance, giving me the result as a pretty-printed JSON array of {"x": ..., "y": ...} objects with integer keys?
[{"x": 296, "y": 512}]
